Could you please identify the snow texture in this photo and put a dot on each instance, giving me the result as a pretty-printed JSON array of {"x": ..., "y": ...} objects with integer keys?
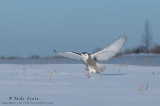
[{"x": 68, "y": 85}]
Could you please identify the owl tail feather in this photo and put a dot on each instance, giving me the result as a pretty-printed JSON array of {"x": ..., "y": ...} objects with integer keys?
[{"x": 100, "y": 67}]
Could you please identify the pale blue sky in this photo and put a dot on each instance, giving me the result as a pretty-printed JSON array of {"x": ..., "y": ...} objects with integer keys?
[{"x": 29, "y": 27}]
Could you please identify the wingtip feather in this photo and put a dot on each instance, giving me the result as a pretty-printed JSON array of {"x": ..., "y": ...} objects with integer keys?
[
  {"x": 123, "y": 37},
  {"x": 55, "y": 51}
]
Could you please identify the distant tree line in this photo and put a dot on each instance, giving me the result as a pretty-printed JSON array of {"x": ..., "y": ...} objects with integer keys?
[
  {"x": 147, "y": 41},
  {"x": 142, "y": 49}
]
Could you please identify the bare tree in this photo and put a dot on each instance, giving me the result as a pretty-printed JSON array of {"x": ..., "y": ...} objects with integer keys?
[{"x": 147, "y": 37}]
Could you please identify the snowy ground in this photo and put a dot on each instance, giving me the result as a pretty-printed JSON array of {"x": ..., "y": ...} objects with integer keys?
[{"x": 67, "y": 85}]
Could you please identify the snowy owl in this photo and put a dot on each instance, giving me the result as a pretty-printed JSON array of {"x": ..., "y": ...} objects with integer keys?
[{"x": 94, "y": 61}]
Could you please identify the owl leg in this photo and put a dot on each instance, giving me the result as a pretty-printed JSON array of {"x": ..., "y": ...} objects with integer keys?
[
  {"x": 92, "y": 71},
  {"x": 88, "y": 75}
]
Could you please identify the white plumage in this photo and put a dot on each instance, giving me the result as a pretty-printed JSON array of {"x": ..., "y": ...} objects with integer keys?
[
  {"x": 92, "y": 61},
  {"x": 110, "y": 51}
]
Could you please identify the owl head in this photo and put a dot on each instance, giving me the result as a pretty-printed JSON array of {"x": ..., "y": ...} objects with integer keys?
[{"x": 85, "y": 56}]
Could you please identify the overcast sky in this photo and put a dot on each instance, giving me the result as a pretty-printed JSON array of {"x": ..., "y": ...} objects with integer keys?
[{"x": 29, "y": 27}]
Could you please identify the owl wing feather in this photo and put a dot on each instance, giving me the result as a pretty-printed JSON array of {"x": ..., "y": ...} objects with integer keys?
[
  {"x": 109, "y": 51},
  {"x": 72, "y": 55}
]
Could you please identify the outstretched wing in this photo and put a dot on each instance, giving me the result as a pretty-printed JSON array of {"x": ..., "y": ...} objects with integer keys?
[
  {"x": 71, "y": 55},
  {"x": 110, "y": 51}
]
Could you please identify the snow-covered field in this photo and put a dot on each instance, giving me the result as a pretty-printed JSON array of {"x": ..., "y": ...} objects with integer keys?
[{"x": 68, "y": 85}]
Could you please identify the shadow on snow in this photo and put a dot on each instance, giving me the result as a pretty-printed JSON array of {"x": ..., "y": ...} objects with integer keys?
[{"x": 112, "y": 74}]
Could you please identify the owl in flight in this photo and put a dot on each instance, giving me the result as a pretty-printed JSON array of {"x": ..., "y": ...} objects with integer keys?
[{"x": 94, "y": 61}]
